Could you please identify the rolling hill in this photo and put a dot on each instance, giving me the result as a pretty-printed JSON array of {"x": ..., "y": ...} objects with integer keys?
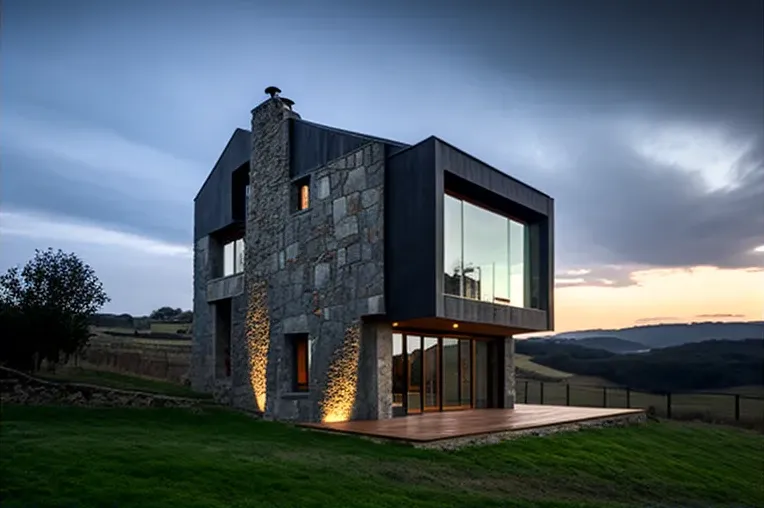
[{"x": 661, "y": 336}]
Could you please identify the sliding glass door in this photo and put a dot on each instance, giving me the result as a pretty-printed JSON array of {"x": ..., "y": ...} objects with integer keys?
[{"x": 437, "y": 373}]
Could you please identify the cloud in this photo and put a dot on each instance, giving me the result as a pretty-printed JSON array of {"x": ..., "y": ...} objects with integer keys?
[
  {"x": 139, "y": 273},
  {"x": 41, "y": 227},
  {"x": 720, "y": 316},
  {"x": 101, "y": 154},
  {"x": 614, "y": 276},
  {"x": 655, "y": 320},
  {"x": 97, "y": 175}
]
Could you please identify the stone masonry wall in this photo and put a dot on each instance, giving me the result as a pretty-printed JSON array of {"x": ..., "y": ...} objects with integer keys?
[
  {"x": 202, "y": 356},
  {"x": 509, "y": 372},
  {"x": 324, "y": 273}
]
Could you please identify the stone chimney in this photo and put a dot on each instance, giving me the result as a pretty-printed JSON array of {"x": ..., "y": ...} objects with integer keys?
[{"x": 270, "y": 179}]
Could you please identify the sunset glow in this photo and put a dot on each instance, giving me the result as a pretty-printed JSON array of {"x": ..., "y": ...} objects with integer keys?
[{"x": 664, "y": 296}]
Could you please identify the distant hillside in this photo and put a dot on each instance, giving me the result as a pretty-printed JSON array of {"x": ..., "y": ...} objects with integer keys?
[
  {"x": 612, "y": 344},
  {"x": 706, "y": 365},
  {"x": 668, "y": 335}
]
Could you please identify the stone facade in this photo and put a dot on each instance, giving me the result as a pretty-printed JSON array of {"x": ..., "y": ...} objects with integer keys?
[
  {"x": 324, "y": 270},
  {"x": 202, "y": 372}
]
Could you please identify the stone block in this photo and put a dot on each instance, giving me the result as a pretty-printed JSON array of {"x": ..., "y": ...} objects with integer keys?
[
  {"x": 356, "y": 180},
  {"x": 369, "y": 197},
  {"x": 292, "y": 251},
  {"x": 295, "y": 324},
  {"x": 353, "y": 253},
  {"x": 322, "y": 275},
  {"x": 323, "y": 188},
  {"x": 376, "y": 304},
  {"x": 339, "y": 209},
  {"x": 341, "y": 257},
  {"x": 348, "y": 226}
]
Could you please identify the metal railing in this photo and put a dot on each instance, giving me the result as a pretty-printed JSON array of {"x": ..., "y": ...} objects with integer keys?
[{"x": 708, "y": 406}]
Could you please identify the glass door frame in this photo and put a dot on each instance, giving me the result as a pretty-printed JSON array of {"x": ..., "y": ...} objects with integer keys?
[{"x": 420, "y": 337}]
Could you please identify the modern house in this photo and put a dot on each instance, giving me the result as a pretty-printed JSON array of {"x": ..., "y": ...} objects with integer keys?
[{"x": 341, "y": 276}]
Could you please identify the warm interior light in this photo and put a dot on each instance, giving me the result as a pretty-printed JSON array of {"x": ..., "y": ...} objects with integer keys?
[
  {"x": 455, "y": 325},
  {"x": 395, "y": 324},
  {"x": 304, "y": 197}
]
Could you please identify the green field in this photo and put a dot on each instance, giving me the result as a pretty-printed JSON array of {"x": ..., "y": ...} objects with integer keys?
[
  {"x": 526, "y": 363},
  {"x": 589, "y": 392},
  {"x": 90, "y": 457},
  {"x": 120, "y": 381}
]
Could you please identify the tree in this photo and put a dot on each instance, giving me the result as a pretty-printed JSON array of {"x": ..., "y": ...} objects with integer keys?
[
  {"x": 170, "y": 314},
  {"x": 46, "y": 308}
]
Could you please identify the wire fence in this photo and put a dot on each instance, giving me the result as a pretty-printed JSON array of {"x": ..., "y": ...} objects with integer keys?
[{"x": 720, "y": 407}]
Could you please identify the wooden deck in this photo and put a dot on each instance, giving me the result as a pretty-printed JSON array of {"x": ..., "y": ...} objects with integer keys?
[{"x": 438, "y": 426}]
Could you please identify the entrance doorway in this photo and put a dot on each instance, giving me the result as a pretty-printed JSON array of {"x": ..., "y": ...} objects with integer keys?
[{"x": 438, "y": 373}]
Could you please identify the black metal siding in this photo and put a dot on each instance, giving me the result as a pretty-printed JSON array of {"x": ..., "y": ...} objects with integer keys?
[
  {"x": 212, "y": 206},
  {"x": 481, "y": 175},
  {"x": 411, "y": 232},
  {"x": 313, "y": 145}
]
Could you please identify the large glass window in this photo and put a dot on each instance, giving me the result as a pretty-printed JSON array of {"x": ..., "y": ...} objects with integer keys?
[
  {"x": 438, "y": 373},
  {"x": 451, "y": 381},
  {"x": 484, "y": 254},
  {"x": 414, "y": 354},
  {"x": 233, "y": 257},
  {"x": 431, "y": 375}
]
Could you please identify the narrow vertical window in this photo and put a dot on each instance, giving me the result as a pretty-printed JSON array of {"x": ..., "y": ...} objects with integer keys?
[
  {"x": 301, "y": 360},
  {"x": 301, "y": 194},
  {"x": 304, "y": 196}
]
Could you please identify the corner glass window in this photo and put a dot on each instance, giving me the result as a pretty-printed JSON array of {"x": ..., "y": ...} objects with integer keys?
[{"x": 484, "y": 254}]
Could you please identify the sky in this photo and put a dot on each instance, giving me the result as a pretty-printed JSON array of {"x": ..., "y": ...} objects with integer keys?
[{"x": 644, "y": 120}]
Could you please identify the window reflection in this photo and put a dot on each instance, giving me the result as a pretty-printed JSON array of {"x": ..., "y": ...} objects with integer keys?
[
  {"x": 233, "y": 257},
  {"x": 484, "y": 255},
  {"x": 414, "y": 353}
]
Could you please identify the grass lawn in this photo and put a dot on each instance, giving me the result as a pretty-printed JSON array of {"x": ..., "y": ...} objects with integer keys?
[
  {"x": 120, "y": 381},
  {"x": 525, "y": 362},
  {"x": 90, "y": 457}
]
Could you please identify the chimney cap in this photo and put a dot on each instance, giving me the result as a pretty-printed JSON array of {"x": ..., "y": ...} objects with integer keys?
[
  {"x": 287, "y": 102},
  {"x": 273, "y": 91}
]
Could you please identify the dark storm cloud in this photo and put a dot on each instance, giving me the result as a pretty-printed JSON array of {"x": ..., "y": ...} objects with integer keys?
[
  {"x": 179, "y": 76},
  {"x": 698, "y": 64},
  {"x": 644, "y": 212}
]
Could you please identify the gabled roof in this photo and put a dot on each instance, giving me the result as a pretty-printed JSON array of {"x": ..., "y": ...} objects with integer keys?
[
  {"x": 396, "y": 144},
  {"x": 235, "y": 153}
]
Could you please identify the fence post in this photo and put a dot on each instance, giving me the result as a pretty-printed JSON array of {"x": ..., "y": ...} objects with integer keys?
[
  {"x": 737, "y": 407},
  {"x": 567, "y": 394},
  {"x": 526, "y": 392},
  {"x": 668, "y": 404},
  {"x": 542, "y": 392},
  {"x": 604, "y": 396},
  {"x": 628, "y": 397}
]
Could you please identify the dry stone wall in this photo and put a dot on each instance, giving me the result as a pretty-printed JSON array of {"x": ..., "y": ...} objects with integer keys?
[
  {"x": 19, "y": 388},
  {"x": 166, "y": 360}
]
